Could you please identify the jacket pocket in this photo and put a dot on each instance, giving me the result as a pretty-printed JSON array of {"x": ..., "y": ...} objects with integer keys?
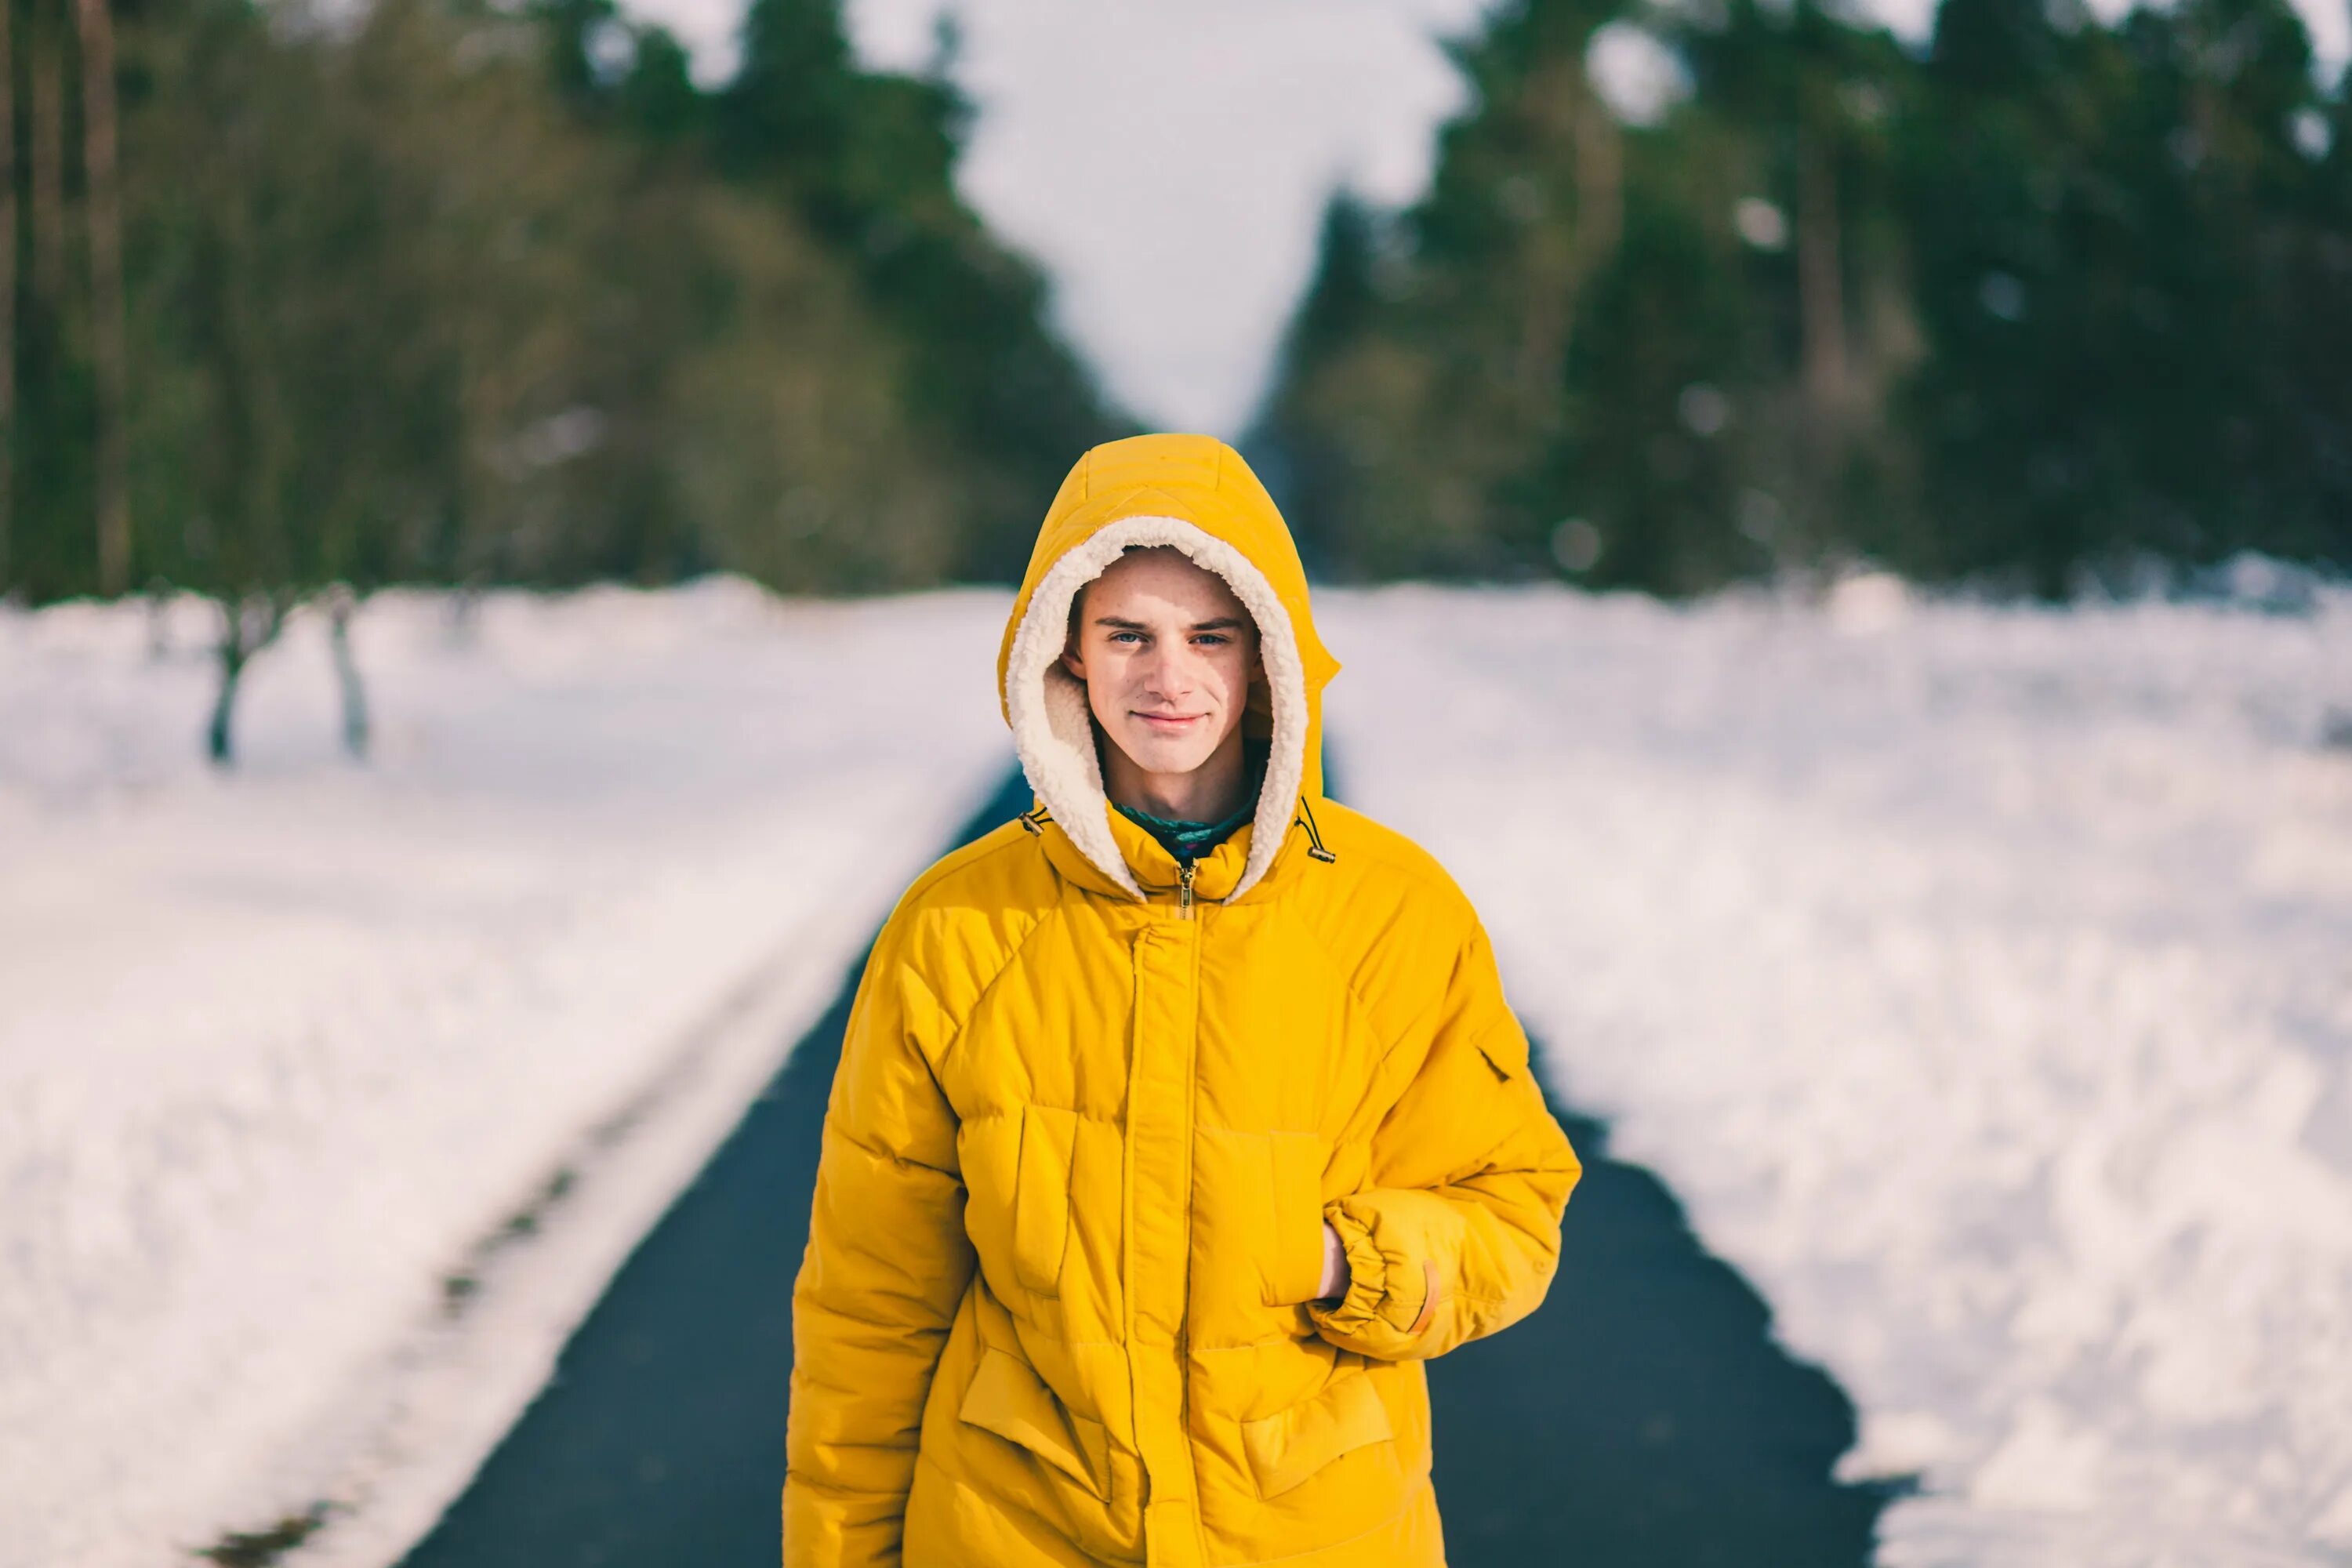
[
  {"x": 1290, "y": 1445},
  {"x": 1294, "y": 1163},
  {"x": 1007, "y": 1397},
  {"x": 1041, "y": 1197}
]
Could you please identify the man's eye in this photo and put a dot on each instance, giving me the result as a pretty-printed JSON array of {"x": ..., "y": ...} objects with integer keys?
[
  {"x": 1212, "y": 639},
  {"x": 1125, "y": 637}
]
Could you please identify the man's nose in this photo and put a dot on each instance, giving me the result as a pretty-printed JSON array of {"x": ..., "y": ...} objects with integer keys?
[{"x": 1169, "y": 671}]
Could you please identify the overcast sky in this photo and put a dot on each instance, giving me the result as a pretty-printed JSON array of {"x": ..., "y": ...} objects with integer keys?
[{"x": 1167, "y": 161}]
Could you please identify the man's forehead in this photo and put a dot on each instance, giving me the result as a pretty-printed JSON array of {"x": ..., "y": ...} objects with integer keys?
[{"x": 1163, "y": 572}]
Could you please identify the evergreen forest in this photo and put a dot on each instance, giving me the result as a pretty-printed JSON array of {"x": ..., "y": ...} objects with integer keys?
[
  {"x": 296, "y": 295},
  {"x": 2041, "y": 306},
  {"x": 449, "y": 293}
]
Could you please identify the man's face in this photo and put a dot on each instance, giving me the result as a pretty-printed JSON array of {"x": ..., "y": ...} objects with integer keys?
[{"x": 1167, "y": 654}]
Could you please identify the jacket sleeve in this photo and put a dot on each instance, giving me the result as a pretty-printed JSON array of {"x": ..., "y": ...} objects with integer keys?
[
  {"x": 1457, "y": 1233},
  {"x": 886, "y": 1266}
]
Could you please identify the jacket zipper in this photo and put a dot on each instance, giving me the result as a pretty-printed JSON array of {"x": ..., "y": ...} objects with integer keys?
[{"x": 1184, "y": 889}]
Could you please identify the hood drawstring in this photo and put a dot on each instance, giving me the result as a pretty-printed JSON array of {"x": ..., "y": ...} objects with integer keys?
[
  {"x": 1033, "y": 821},
  {"x": 1315, "y": 851}
]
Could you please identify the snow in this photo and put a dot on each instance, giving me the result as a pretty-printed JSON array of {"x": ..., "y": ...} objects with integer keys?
[
  {"x": 1981, "y": 979},
  {"x": 1977, "y": 976},
  {"x": 283, "y": 1052}
]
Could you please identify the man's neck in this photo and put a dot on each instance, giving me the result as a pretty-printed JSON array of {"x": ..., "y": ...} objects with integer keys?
[{"x": 1209, "y": 793}]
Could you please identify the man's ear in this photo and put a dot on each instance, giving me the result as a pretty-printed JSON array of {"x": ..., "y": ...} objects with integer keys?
[{"x": 1073, "y": 661}]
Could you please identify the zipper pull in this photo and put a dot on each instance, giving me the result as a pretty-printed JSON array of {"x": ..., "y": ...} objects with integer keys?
[{"x": 1184, "y": 889}]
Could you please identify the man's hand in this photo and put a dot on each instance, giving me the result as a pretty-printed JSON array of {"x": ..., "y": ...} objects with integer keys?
[{"x": 1335, "y": 1265}]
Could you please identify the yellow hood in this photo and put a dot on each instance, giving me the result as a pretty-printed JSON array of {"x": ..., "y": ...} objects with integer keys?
[{"x": 1195, "y": 493}]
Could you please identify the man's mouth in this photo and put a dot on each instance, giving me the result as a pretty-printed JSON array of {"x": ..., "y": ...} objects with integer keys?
[{"x": 1169, "y": 720}]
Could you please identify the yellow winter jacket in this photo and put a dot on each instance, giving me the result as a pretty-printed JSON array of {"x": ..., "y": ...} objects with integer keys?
[{"x": 1056, "y": 1306}]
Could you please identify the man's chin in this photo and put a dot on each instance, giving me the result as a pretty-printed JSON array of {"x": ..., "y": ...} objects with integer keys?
[{"x": 1165, "y": 758}]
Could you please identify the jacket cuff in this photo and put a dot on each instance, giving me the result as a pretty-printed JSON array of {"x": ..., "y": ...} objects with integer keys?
[{"x": 1385, "y": 1292}]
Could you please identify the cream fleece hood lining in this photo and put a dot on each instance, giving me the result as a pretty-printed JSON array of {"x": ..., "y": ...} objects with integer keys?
[{"x": 1053, "y": 730}]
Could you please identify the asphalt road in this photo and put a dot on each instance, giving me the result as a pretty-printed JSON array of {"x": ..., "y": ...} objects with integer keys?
[{"x": 1642, "y": 1417}]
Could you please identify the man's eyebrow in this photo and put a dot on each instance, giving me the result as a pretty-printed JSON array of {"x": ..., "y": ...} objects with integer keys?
[{"x": 1221, "y": 624}]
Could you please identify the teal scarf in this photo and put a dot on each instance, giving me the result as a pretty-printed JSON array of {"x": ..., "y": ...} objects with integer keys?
[{"x": 1188, "y": 841}]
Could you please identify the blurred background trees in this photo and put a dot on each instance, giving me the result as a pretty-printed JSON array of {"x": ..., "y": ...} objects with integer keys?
[
  {"x": 440, "y": 291},
  {"x": 2047, "y": 302},
  {"x": 448, "y": 291}
]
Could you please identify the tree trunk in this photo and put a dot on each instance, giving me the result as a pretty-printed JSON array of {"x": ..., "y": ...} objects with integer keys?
[
  {"x": 249, "y": 623},
  {"x": 1599, "y": 186},
  {"x": 106, "y": 305},
  {"x": 1821, "y": 302},
  {"x": 45, "y": 113},
  {"x": 464, "y": 626},
  {"x": 159, "y": 621},
  {"x": 342, "y": 606},
  {"x": 7, "y": 289},
  {"x": 217, "y": 735},
  {"x": 1563, "y": 258},
  {"x": 1554, "y": 253}
]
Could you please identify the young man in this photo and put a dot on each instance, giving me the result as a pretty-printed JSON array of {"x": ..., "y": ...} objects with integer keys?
[{"x": 1178, "y": 1121}]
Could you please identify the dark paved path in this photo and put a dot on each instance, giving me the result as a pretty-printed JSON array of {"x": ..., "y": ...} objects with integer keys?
[{"x": 1639, "y": 1419}]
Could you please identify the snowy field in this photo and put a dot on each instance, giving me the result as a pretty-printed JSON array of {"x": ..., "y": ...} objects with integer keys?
[
  {"x": 330, "y": 1096},
  {"x": 1982, "y": 982}
]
